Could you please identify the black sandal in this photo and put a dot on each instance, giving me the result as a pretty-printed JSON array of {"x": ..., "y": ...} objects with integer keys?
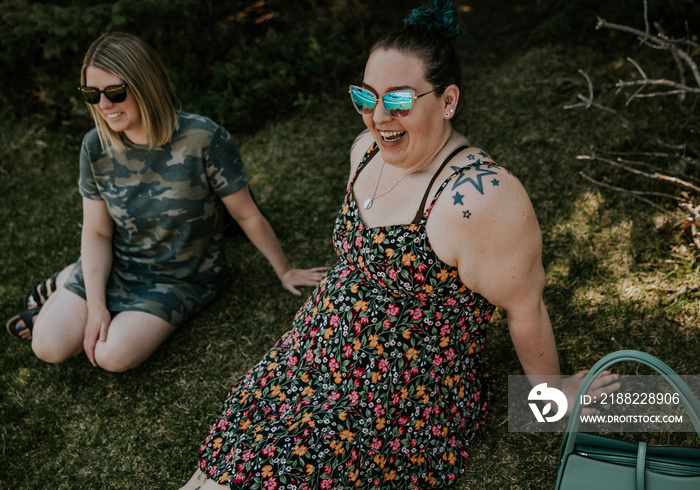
[
  {"x": 40, "y": 292},
  {"x": 26, "y": 317}
]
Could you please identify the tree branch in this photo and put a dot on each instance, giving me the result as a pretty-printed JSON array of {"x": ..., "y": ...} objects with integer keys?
[
  {"x": 682, "y": 158},
  {"x": 589, "y": 102},
  {"x": 635, "y": 194},
  {"x": 661, "y": 43},
  {"x": 654, "y": 176},
  {"x": 648, "y": 165}
]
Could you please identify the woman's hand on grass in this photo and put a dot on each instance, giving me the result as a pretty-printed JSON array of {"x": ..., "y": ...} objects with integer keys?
[
  {"x": 604, "y": 384},
  {"x": 294, "y": 278}
]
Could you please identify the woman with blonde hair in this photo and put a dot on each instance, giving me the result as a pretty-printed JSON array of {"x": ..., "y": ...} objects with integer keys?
[{"x": 153, "y": 181}]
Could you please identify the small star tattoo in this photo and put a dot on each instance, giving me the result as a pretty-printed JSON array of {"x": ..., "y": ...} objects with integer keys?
[
  {"x": 466, "y": 214},
  {"x": 495, "y": 182},
  {"x": 458, "y": 199}
]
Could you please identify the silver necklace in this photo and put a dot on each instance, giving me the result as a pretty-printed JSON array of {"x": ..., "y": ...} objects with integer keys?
[{"x": 369, "y": 201}]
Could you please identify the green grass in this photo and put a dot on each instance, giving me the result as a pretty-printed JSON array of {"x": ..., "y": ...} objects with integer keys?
[{"x": 614, "y": 268}]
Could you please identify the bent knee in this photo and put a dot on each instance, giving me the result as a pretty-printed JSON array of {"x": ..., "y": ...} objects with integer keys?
[
  {"x": 115, "y": 364},
  {"x": 115, "y": 360},
  {"x": 49, "y": 351}
]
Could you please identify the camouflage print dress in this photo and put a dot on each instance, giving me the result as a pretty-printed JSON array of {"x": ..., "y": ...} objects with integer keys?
[
  {"x": 380, "y": 383},
  {"x": 168, "y": 250}
]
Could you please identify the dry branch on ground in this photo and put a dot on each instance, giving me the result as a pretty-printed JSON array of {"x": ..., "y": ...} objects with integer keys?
[{"x": 676, "y": 164}]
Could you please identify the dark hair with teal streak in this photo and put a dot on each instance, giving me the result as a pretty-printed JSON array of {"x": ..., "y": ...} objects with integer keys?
[
  {"x": 440, "y": 16},
  {"x": 427, "y": 34}
]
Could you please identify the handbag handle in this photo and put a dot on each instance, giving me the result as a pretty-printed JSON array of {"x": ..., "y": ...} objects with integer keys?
[{"x": 690, "y": 402}]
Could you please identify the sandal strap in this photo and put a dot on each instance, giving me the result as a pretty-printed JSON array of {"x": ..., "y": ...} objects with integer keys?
[
  {"x": 40, "y": 291},
  {"x": 27, "y": 317},
  {"x": 44, "y": 289}
]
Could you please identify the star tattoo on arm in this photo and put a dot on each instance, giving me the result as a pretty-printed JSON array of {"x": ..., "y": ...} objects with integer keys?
[{"x": 477, "y": 181}]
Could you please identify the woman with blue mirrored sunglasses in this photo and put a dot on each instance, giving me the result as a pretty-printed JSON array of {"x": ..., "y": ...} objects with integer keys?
[
  {"x": 397, "y": 103},
  {"x": 381, "y": 381}
]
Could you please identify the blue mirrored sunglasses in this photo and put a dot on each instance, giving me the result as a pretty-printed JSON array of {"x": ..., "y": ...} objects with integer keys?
[{"x": 397, "y": 104}]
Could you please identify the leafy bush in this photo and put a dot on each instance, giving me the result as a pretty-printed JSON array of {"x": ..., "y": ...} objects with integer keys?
[
  {"x": 283, "y": 71},
  {"x": 238, "y": 62}
]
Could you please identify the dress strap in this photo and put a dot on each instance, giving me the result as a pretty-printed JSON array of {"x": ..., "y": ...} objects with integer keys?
[
  {"x": 421, "y": 211},
  {"x": 369, "y": 154}
]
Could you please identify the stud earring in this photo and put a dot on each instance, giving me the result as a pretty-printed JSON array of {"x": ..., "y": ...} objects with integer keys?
[{"x": 447, "y": 114}]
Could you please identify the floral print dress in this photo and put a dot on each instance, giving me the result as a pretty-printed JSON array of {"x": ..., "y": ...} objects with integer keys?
[{"x": 379, "y": 383}]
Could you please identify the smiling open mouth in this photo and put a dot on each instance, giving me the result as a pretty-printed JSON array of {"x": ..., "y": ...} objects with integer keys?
[{"x": 391, "y": 135}]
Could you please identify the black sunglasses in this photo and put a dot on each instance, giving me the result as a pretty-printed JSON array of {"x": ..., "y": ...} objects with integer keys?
[{"x": 114, "y": 93}]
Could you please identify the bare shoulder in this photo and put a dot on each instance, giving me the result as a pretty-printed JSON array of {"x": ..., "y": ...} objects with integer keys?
[
  {"x": 359, "y": 147},
  {"x": 484, "y": 224},
  {"x": 480, "y": 189}
]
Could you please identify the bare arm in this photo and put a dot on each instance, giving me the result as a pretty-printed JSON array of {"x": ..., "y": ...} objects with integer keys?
[
  {"x": 497, "y": 247},
  {"x": 96, "y": 258},
  {"x": 509, "y": 272},
  {"x": 244, "y": 210}
]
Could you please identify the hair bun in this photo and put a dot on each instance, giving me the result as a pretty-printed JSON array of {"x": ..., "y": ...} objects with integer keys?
[{"x": 440, "y": 16}]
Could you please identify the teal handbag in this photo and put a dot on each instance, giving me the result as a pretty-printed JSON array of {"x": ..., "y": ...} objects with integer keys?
[{"x": 590, "y": 461}]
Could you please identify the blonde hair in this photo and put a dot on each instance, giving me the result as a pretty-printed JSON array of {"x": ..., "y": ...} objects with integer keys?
[{"x": 133, "y": 60}]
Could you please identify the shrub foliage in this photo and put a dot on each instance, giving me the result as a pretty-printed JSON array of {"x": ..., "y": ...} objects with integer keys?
[{"x": 239, "y": 62}]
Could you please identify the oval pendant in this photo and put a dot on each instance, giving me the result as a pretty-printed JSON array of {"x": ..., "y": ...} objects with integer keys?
[{"x": 368, "y": 203}]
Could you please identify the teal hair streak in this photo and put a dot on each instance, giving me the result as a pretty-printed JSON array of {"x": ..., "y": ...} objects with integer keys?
[{"x": 440, "y": 16}]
